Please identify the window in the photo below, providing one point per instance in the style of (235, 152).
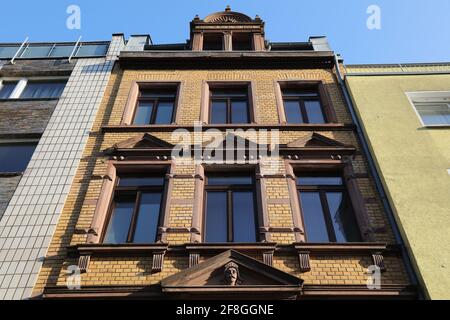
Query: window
(303, 106)
(433, 108)
(136, 209)
(434, 113)
(213, 41)
(230, 211)
(229, 105)
(62, 51)
(14, 157)
(36, 51)
(327, 212)
(7, 52)
(7, 88)
(242, 41)
(155, 106)
(43, 89)
(92, 50)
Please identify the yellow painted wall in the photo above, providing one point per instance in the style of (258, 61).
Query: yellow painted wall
(413, 161)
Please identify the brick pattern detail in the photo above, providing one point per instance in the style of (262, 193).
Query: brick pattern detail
(132, 270)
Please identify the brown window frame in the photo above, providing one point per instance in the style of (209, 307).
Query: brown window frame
(206, 105)
(136, 192)
(322, 190)
(301, 101)
(155, 101)
(222, 35)
(134, 96)
(228, 101)
(229, 189)
(345, 168)
(328, 110)
(115, 169)
(250, 36)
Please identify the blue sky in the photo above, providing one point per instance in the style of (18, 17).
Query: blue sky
(411, 30)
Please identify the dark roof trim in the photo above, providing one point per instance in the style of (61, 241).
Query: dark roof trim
(226, 60)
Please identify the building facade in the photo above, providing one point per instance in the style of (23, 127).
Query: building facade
(49, 96)
(224, 167)
(405, 115)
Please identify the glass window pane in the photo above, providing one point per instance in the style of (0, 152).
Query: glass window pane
(36, 52)
(217, 181)
(343, 218)
(314, 111)
(7, 87)
(8, 52)
(319, 181)
(36, 90)
(219, 112)
(216, 217)
(62, 51)
(158, 93)
(140, 181)
(434, 114)
(119, 224)
(239, 112)
(148, 217)
(164, 112)
(212, 41)
(242, 41)
(316, 230)
(292, 111)
(298, 93)
(229, 92)
(15, 157)
(244, 224)
(92, 50)
(143, 113)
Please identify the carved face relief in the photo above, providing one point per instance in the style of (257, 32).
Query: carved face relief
(231, 274)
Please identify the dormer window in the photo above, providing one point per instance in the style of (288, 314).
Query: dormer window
(227, 31)
(213, 42)
(242, 41)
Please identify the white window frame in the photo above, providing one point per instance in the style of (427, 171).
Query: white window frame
(22, 83)
(430, 97)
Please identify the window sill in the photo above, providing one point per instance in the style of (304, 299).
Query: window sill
(116, 249)
(343, 248)
(157, 251)
(148, 249)
(281, 127)
(437, 127)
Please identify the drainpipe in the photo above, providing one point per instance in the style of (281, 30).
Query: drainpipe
(379, 186)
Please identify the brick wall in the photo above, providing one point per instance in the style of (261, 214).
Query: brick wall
(81, 202)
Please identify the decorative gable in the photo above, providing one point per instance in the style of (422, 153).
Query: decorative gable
(314, 139)
(143, 141)
(232, 273)
(230, 141)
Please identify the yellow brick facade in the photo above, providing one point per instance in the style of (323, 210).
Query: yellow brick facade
(135, 270)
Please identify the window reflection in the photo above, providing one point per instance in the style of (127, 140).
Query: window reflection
(326, 208)
(230, 213)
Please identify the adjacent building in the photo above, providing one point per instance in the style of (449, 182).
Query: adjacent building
(224, 167)
(404, 112)
(49, 96)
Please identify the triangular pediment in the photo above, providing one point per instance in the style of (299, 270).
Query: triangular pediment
(143, 141)
(314, 139)
(211, 273)
(230, 141)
